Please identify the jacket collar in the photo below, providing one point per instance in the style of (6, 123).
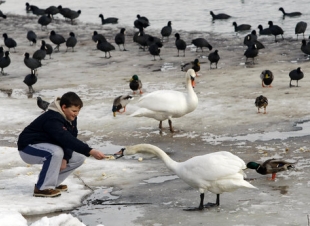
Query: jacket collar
(55, 106)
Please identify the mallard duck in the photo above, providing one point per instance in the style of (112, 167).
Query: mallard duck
(296, 74)
(135, 84)
(120, 103)
(168, 104)
(267, 77)
(271, 166)
(216, 172)
(191, 65)
(260, 102)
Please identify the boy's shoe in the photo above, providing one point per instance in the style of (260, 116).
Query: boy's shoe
(46, 192)
(62, 187)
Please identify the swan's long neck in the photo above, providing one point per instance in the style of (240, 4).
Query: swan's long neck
(148, 148)
(189, 86)
(193, 99)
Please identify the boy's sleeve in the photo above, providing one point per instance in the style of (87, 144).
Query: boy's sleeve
(56, 130)
(67, 154)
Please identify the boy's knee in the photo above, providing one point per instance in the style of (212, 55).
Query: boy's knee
(58, 152)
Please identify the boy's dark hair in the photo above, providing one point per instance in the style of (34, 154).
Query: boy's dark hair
(71, 99)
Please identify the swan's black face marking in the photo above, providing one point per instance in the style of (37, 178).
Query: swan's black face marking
(120, 153)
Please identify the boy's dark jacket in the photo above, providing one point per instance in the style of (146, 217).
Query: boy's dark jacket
(53, 127)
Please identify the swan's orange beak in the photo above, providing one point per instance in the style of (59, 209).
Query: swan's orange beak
(193, 82)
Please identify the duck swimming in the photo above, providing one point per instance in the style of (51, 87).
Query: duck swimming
(167, 104)
(216, 172)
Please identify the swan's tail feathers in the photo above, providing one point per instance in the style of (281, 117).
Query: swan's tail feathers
(248, 185)
(142, 112)
(242, 184)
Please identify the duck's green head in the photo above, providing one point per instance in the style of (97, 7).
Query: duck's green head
(267, 75)
(252, 165)
(135, 77)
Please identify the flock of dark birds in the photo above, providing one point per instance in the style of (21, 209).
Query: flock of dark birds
(144, 41)
(254, 46)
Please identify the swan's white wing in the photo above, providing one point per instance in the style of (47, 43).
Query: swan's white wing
(211, 167)
(162, 104)
(163, 99)
(168, 104)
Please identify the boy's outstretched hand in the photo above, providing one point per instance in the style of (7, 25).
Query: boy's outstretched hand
(97, 154)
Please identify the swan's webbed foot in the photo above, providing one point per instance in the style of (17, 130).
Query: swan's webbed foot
(210, 205)
(160, 126)
(193, 209)
(170, 126)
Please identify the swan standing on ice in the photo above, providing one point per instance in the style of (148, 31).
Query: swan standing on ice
(168, 104)
(216, 172)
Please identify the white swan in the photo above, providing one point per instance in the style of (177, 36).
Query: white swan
(216, 172)
(168, 104)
